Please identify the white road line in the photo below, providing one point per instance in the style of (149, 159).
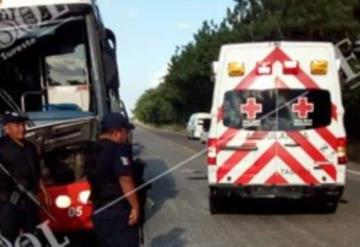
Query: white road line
(353, 172)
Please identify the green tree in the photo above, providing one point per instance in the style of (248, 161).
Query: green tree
(188, 87)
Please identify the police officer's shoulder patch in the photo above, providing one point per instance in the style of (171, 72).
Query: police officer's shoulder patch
(125, 160)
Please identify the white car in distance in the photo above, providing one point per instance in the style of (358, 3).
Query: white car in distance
(195, 125)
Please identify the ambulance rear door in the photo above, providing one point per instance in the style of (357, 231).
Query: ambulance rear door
(244, 104)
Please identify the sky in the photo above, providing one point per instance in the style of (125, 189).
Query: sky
(148, 33)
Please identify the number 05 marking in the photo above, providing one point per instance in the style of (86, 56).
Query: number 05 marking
(75, 212)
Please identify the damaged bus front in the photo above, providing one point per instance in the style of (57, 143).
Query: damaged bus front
(58, 66)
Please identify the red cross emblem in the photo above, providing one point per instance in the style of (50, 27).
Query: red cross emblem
(251, 108)
(303, 107)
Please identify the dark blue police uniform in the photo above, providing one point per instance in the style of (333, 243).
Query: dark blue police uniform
(104, 167)
(23, 164)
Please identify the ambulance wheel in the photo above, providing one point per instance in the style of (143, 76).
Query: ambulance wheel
(330, 206)
(214, 204)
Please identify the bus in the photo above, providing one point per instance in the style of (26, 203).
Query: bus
(58, 66)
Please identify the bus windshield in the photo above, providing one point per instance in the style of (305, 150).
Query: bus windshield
(44, 68)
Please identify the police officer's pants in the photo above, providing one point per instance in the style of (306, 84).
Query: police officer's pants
(13, 218)
(8, 224)
(113, 230)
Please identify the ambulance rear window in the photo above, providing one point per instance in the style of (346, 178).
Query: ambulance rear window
(277, 109)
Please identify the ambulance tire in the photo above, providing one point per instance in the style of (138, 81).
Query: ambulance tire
(214, 204)
(329, 206)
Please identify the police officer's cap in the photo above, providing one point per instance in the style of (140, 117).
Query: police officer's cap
(13, 117)
(115, 121)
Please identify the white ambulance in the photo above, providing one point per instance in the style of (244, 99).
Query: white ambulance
(277, 124)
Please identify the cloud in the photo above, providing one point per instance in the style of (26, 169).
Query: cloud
(105, 1)
(132, 13)
(125, 11)
(159, 77)
(184, 26)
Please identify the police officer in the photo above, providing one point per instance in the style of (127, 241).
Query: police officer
(109, 172)
(19, 157)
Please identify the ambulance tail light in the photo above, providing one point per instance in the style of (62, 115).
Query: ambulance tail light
(264, 68)
(319, 67)
(212, 151)
(291, 67)
(341, 151)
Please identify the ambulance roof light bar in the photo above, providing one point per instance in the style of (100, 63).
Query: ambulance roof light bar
(291, 67)
(319, 67)
(263, 68)
(236, 69)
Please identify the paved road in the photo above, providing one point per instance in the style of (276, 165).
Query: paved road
(181, 217)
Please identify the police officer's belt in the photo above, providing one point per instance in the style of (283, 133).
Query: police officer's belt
(106, 192)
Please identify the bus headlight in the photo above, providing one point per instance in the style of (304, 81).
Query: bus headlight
(62, 201)
(84, 196)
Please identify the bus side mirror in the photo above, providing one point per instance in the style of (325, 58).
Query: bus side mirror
(110, 62)
(111, 39)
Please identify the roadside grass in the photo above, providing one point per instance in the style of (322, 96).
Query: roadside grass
(172, 127)
(178, 128)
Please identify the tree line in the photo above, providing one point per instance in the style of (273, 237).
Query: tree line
(188, 88)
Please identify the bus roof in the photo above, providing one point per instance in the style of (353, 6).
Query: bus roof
(26, 3)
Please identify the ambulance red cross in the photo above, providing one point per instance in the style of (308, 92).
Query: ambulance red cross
(303, 107)
(277, 124)
(251, 108)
